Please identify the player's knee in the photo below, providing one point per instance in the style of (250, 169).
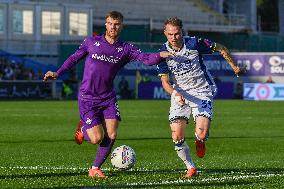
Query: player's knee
(203, 136)
(178, 141)
(112, 136)
(179, 121)
(96, 140)
(177, 137)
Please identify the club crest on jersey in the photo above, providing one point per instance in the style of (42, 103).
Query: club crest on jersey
(89, 121)
(119, 49)
(97, 44)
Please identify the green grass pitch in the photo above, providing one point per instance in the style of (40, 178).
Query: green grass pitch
(245, 148)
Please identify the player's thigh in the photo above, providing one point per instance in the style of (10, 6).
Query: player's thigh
(178, 129)
(202, 123)
(95, 134)
(92, 118)
(111, 117)
(202, 116)
(204, 109)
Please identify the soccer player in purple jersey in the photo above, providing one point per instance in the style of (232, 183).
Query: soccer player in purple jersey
(105, 56)
(193, 89)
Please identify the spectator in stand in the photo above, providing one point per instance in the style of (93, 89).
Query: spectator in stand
(269, 80)
(8, 72)
(239, 90)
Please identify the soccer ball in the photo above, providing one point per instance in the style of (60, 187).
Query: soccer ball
(123, 157)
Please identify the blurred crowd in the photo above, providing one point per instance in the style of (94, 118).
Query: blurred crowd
(17, 71)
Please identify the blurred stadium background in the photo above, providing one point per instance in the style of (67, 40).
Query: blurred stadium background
(38, 35)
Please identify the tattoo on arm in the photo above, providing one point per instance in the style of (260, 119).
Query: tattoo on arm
(225, 53)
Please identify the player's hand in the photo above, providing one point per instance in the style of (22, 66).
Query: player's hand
(179, 99)
(166, 54)
(50, 75)
(239, 71)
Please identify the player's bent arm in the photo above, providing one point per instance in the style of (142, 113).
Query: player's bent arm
(166, 84)
(169, 89)
(227, 56)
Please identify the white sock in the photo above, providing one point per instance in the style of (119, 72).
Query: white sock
(182, 150)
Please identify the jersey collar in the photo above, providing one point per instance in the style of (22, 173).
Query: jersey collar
(170, 49)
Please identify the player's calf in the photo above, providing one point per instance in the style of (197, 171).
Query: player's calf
(182, 150)
(200, 146)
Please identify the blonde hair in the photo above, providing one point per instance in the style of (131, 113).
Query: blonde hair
(174, 21)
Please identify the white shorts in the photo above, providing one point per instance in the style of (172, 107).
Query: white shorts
(201, 107)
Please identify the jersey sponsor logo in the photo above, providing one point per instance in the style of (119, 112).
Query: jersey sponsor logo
(184, 63)
(119, 49)
(180, 68)
(105, 58)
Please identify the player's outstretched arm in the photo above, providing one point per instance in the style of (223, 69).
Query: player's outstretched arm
(50, 75)
(226, 54)
(147, 58)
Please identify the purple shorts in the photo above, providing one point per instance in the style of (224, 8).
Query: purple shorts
(94, 112)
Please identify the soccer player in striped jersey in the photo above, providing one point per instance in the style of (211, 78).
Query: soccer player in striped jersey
(193, 87)
(104, 56)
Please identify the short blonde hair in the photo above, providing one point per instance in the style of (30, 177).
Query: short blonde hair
(174, 21)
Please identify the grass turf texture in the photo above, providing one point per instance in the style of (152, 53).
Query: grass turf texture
(245, 148)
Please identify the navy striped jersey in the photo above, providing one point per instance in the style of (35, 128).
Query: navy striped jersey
(187, 69)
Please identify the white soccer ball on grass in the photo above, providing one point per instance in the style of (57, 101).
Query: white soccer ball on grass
(123, 157)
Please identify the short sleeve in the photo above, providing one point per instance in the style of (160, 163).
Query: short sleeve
(163, 69)
(205, 46)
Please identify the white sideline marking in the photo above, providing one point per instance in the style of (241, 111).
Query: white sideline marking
(205, 180)
(179, 181)
(43, 168)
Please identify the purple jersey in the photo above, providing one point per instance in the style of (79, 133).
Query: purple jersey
(103, 61)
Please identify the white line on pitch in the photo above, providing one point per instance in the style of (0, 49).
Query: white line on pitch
(42, 168)
(184, 181)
